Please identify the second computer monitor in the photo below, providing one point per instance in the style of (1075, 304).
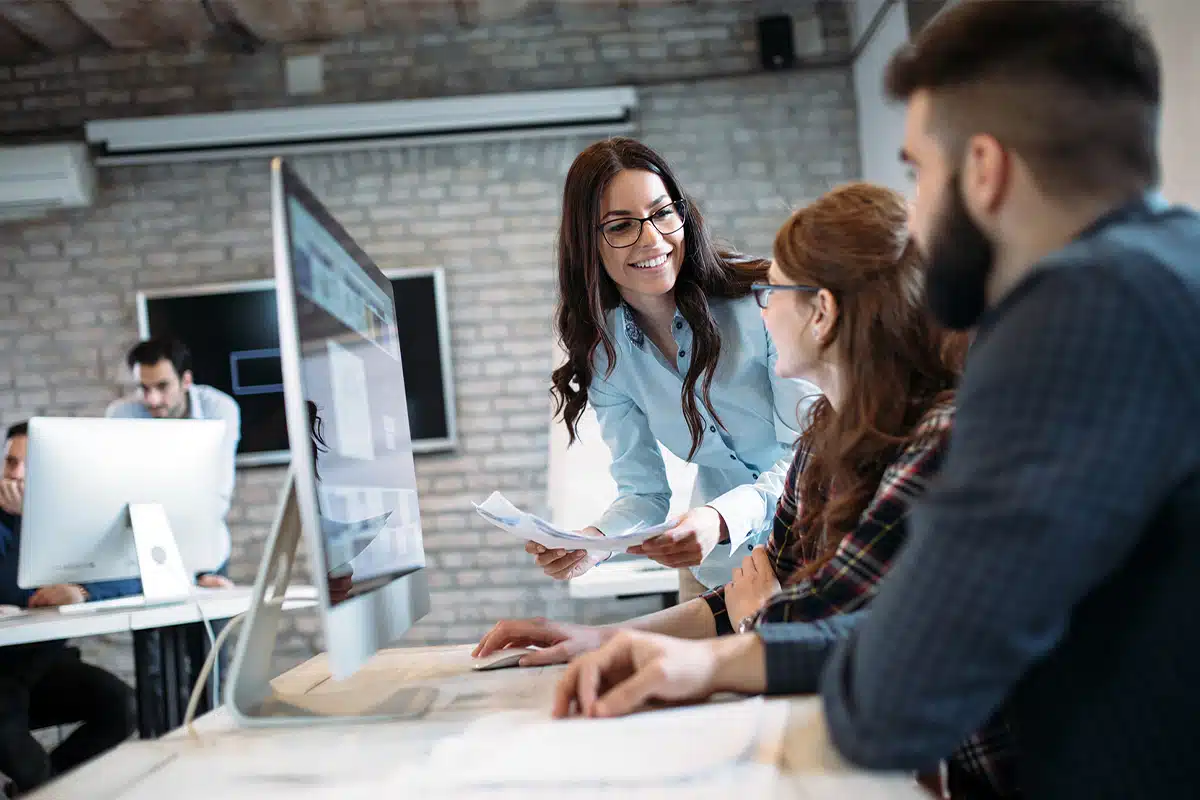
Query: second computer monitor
(82, 477)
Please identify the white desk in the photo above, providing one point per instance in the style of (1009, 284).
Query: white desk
(159, 645)
(626, 579)
(48, 624)
(333, 760)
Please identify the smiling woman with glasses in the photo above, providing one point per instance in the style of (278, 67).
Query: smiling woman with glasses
(665, 342)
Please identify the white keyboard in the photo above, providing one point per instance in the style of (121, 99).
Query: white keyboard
(133, 601)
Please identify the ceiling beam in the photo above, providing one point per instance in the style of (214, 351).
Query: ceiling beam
(270, 20)
(14, 47)
(184, 21)
(123, 24)
(49, 24)
(336, 18)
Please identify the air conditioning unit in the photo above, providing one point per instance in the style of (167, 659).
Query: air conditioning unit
(355, 126)
(35, 178)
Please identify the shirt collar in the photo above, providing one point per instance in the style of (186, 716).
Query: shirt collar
(1145, 203)
(194, 409)
(634, 332)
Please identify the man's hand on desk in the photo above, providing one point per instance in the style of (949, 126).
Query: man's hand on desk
(689, 542)
(564, 565)
(60, 594)
(12, 495)
(635, 668)
(214, 582)
(561, 641)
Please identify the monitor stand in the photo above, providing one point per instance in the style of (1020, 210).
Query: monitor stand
(252, 700)
(164, 577)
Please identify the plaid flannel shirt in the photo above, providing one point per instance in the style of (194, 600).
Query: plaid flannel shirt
(852, 577)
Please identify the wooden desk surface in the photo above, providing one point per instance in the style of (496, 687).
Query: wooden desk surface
(324, 760)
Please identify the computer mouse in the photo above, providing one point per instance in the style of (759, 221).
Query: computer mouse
(502, 659)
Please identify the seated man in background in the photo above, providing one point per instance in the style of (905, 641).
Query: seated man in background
(12, 496)
(162, 370)
(46, 683)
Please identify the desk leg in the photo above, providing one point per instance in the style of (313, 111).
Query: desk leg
(669, 599)
(148, 673)
(160, 661)
(171, 667)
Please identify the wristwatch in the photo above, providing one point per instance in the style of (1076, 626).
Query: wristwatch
(747, 624)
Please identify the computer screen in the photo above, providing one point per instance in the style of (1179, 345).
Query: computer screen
(84, 475)
(352, 385)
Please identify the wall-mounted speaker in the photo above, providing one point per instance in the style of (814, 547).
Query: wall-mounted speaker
(776, 43)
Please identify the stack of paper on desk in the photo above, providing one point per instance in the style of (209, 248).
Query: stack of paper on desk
(663, 748)
(507, 517)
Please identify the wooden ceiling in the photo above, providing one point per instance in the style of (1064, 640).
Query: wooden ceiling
(32, 30)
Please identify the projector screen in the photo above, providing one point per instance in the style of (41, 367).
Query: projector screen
(233, 333)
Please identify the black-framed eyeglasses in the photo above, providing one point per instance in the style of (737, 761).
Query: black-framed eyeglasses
(762, 291)
(626, 231)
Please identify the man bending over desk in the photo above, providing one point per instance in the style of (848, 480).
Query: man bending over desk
(162, 370)
(46, 683)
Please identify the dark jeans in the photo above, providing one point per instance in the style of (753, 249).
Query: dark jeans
(54, 687)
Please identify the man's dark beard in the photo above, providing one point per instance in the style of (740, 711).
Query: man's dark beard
(958, 263)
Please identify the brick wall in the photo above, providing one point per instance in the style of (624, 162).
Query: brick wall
(748, 147)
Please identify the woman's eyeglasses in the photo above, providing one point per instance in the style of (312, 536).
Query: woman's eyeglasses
(762, 291)
(625, 231)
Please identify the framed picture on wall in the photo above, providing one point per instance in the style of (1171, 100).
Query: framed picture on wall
(233, 333)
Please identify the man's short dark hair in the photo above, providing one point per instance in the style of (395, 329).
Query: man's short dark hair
(152, 351)
(1072, 86)
(19, 429)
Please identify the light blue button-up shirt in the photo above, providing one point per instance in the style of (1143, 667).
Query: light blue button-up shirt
(741, 468)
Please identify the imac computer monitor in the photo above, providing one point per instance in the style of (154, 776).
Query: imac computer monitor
(352, 465)
(88, 478)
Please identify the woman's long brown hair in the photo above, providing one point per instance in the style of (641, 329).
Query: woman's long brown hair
(586, 293)
(898, 363)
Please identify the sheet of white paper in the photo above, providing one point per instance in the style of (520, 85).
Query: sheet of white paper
(528, 748)
(504, 515)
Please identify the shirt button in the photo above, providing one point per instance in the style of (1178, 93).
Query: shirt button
(682, 353)
(755, 474)
(678, 325)
(750, 547)
(712, 428)
(732, 456)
